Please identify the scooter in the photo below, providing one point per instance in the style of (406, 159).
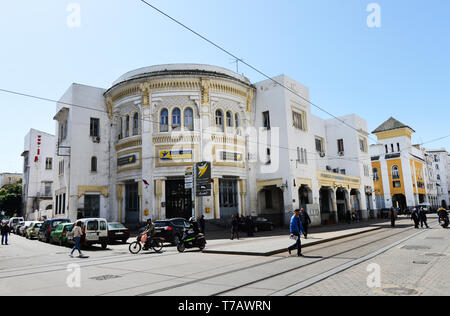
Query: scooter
(191, 240)
(444, 222)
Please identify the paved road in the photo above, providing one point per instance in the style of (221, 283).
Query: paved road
(414, 263)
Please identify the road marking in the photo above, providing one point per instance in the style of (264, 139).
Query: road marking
(300, 286)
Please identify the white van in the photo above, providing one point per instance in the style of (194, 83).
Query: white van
(95, 231)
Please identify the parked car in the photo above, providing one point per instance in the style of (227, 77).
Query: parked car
(48, 226)
(95, 231)
(23, 229)
(259, 224)
(14, 221)
(17, 227)
(117, 231)
(60, 234)
(171, 230)
(33, 230)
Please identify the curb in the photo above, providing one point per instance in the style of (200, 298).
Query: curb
(274, 252)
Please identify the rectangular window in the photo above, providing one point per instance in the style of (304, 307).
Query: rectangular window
(362, 145)
(57, 204)
(63, 211)
(386, 146)
(266, 119)
(398, 146)
(340, 144)
(48, 163)
(47, 189)
(397, 184)
(298, 120)
(319, 144)
(95, 127)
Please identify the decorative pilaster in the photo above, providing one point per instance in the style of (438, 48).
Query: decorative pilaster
(120, 189)
(243, 192)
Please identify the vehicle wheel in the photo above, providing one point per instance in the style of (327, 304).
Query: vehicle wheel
(124, 241)
(202, 245)
(104, 246)
(61, 242)
(181, 247)
(135, 247)
(158, 246)
(176, 240)
(47, 240)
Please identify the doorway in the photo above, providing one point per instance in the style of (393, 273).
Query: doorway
(132, 214)
(178, 200)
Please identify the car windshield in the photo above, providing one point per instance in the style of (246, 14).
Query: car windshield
(38, 225)
(116, 226)
(68, 227)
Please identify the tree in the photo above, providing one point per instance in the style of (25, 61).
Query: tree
(11, 199)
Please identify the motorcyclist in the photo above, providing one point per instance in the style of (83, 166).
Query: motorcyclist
(150, 231)
(195, 226)
(442, 213)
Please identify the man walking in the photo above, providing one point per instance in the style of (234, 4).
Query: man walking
(393, 217)
(5, 230)
(296, 229)
(306, 221)
(423, 218)
(415, 218)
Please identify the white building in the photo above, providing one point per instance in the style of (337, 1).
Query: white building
(7, 178)
(441, 169)
(320, 165)
(37, 182)
(82, 165)
(122, 153)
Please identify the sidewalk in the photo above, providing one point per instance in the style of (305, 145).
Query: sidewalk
(271, 243)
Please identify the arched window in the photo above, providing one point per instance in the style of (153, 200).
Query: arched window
(164, 122)
(237, 123)
(176, 119)
(94, 164)
(395, 172)
(229, 119)
(188, 119)
(135, 124)
(127, 126)
(219, 121)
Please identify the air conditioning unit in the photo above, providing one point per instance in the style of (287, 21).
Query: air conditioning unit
(336, 170)
(96, 139)
(341, 153)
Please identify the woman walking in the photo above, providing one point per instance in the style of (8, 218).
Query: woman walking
(77, 233)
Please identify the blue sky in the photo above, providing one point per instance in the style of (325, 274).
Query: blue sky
(401, 69)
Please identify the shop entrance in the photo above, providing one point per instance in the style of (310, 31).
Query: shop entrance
(178, 200)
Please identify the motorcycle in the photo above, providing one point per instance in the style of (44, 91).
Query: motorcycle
(142, 242)
(191, 239)
(444, 222)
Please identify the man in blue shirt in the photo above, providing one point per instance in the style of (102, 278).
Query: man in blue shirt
(296, 229)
